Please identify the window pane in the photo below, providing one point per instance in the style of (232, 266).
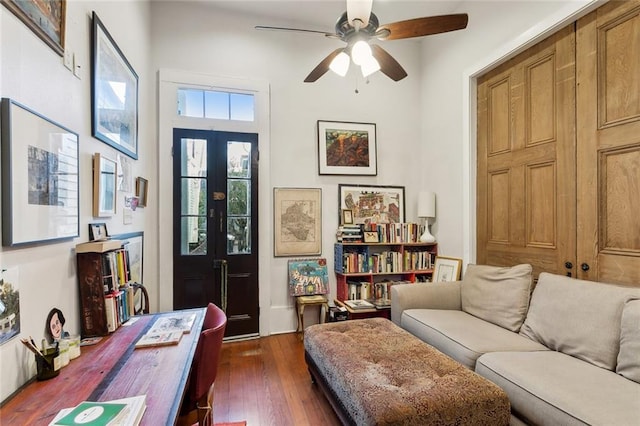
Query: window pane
(194, 197)
(238, 201)
(238, 159)
(216, 105)
(190, 103)
(238, 235)
(242, 107)
(194, 157)
(194, 236)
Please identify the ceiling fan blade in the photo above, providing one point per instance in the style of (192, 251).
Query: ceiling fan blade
(326, 34)
(322, 67)
(423, 26)
(359, 9)
(389, 66)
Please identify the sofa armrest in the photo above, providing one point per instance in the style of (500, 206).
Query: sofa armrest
(424, 296)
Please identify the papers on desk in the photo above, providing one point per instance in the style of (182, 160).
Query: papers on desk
(167, 330)
(120, 412)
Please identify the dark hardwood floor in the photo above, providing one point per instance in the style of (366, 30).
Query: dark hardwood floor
(265, 382)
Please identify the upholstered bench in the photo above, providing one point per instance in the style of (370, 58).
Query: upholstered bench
(375, 373)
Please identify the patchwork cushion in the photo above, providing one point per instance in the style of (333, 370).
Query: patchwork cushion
(496, 294)
(629, 355)
(577, 317)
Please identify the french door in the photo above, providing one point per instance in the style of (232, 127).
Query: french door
(215, 225)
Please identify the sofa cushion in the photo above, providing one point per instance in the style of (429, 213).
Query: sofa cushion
(462, 336)
(551, 388)
(499, 295)
(629, 355)
(577, 317)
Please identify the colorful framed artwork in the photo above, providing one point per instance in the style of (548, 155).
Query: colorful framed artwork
(114, 94)
(447, 269)
(346, 148)
(298, 221)
(308, 277)
(45, 18)
(373, 204)
(40, 182)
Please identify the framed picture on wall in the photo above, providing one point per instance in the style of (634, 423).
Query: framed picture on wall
(114, 94)
(297, 221)
(370, 203)
(40, 181)
(346, 148)
(45, 19)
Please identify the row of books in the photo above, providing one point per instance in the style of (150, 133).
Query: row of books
(119, 307)
(387, 261)
(115, 269)
(386, 232)
(367, 290)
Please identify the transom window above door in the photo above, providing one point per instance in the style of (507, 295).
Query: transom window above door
(215, 104)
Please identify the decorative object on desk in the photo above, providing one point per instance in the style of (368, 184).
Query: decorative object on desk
(114, 118)
(104, 186)
(54, 327)
(98, 232)
(159, 339)
(124, 412)
(308, 277)
(142, 191)
(9, 304)
(372, 204)
(178, 321)
(48, 22)
(427, 210)
(347, 217)
(447, 269)
(346, 148)
(371, 237)
(40, 187)
(298, 221)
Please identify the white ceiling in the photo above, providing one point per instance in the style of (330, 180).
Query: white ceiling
(322, 14)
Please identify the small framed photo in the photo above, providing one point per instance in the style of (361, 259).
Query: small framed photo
(371, 237)
(98, 231)
(142, 191)
(447, 269)
(347, 217)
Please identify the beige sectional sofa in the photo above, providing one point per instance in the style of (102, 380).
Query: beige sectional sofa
(566, 352)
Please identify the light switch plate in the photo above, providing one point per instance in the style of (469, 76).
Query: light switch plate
(76, 66)
(67, 59)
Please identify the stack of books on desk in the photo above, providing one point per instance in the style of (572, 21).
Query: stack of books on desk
(122, 412)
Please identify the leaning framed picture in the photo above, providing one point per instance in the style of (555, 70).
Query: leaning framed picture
(45, 18)
(40, 185)
(114, 94)
(372, 204)
(446, 269)
(297, 221)
(346, 148)
(142, 191)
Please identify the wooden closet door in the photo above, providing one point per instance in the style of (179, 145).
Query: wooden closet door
(526, 159)
(608, 156)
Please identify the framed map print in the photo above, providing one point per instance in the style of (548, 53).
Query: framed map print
(298, 221)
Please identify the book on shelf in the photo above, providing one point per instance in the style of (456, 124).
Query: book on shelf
(121, 412)
(359, 304)
(98, 246)
(161, 338)
(175, 322)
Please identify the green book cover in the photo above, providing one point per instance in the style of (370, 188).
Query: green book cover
(92, 414)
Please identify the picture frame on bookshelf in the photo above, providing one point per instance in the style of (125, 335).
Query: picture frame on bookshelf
(98, 231)
(347, 217)
(347, 148)
(372, 203)
(371, 237)
(447, 269)
(40, 178)
(297, 221)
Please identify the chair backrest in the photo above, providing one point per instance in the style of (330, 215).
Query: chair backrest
(141, 301)
(207, 356)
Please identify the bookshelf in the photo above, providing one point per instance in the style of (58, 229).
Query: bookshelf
(374, 267)
(106, 297)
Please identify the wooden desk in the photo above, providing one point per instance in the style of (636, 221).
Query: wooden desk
(112, 369)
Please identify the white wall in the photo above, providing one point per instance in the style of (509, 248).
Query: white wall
(34, 75)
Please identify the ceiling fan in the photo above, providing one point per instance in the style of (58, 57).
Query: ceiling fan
(358, 27)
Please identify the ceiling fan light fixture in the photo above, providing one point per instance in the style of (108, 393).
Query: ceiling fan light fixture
(370, 66)
(340, 64)
(361, 52)
(359, 10)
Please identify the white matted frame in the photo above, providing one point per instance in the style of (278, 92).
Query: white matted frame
(297, 221)
(446, 269)
(40, 186)
(105, 174)
(346, 148)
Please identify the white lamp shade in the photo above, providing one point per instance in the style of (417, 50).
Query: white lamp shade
(427, 204)
(340, 64)
(370, 66)
(360, 52)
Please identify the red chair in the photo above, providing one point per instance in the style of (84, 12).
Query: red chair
(205, 366)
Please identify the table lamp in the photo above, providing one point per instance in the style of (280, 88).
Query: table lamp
(427, 210)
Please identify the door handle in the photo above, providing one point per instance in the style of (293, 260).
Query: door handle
(223, 286)
(569, 266)
(584, 267)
